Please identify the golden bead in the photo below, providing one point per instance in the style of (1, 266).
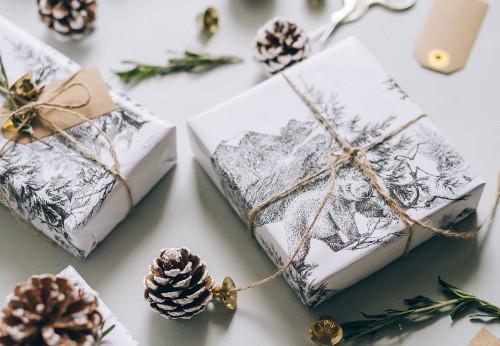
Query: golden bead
(326, 332)
(209, 20)
(226, 293)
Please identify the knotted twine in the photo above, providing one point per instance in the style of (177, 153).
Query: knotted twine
(356, 156)
(31, 111)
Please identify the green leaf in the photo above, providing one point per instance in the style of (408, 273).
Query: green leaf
(3, 75)
(454, 291)
(460, 308)
(107, 331)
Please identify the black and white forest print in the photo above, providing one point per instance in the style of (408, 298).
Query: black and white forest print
(51, 184)
(418, 168)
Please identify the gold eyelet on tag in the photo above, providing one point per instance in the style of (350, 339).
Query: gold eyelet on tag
(438, 59)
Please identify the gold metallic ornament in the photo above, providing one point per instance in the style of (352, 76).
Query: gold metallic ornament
(23, 91)
(25, 87)
(209, 20)
(9, 126)
(226, 293)
(438, 59)
(326, 332)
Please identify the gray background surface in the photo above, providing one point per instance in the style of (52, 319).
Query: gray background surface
(185, 209)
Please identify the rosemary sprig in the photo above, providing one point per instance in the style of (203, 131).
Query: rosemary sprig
(188, 61)
(421, 308)
(105, 332)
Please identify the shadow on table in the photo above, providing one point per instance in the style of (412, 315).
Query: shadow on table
(454, 260)
(193, 331)
(252, 13)
(130, 232)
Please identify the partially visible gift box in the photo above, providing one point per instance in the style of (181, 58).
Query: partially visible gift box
(257, 145)
(119, 335)
(70, 199)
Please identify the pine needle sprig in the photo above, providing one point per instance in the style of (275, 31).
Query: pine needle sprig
(422, 308)
(188, 61)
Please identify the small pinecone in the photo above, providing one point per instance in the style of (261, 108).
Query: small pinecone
(49, 310)
(68, 19)
(279, 44)
(178, 284)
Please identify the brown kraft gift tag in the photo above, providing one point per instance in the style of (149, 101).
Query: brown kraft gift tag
(95, 91)
(449, 34)
(485, 338)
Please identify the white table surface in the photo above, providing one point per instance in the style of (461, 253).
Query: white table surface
(185, 209)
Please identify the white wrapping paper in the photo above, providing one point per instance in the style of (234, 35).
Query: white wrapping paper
(68, 198)
(265, 140)
(119, 336)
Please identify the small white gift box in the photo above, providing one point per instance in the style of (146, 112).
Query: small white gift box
(70, 199)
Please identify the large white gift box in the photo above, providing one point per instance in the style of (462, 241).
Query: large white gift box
(70, 199)
(256, 145)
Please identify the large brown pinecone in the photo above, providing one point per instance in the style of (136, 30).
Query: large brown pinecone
(68, 19)
(279, 44)
(50, 310)
(178, 284)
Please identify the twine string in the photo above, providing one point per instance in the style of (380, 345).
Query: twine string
(358, 157)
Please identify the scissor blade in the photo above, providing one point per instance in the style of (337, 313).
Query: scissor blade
(337, 17)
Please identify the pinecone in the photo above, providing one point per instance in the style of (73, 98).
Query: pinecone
(178, 284)
(279, 44)
(49, 310)
(68, 19)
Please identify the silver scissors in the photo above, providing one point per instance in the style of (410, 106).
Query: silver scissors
(337, 17)
(363, 6)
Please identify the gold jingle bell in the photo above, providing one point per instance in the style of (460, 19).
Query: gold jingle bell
(226, 293)
(24, 90)
(326, 332)
(209, 20)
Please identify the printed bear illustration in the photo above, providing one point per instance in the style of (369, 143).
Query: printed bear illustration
(337, 226)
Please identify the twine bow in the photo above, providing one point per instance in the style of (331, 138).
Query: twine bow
(356, 156)
(29, 111)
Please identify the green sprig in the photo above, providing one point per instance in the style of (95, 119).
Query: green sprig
(188, 61)
(105, 331)
(421, 308)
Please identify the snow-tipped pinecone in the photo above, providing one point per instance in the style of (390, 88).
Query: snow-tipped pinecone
(68, 19)
(279, 44)
(50, 310)
(178, 284)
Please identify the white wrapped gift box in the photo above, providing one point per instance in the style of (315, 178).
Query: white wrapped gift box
(53, 187)
(263, 141)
